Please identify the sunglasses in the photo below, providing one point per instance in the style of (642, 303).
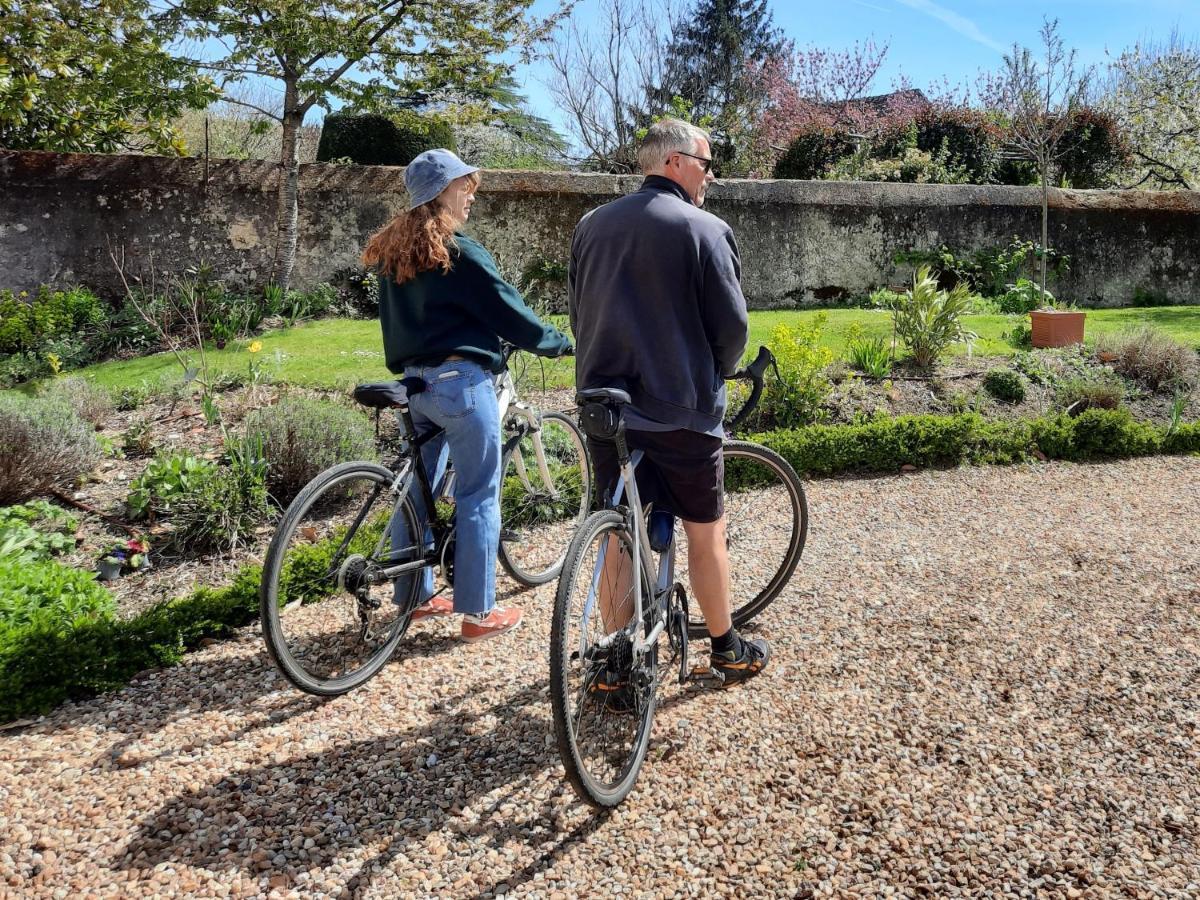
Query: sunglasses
(707, 162)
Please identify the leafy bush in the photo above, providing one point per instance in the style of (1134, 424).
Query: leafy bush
(988, 271)
(43, 445)
(912, 166)
(47, 595)
(375, 140)
(1023, 297)
(27, 323)
(929, 320)
(967, 138)
(1019, 336)
(167, 478)
(358, 292)
(1095, 150)
(1005, 384)
(302, 437)
(36, 530)
(813, 153)
(1149, 355)
(796, 397)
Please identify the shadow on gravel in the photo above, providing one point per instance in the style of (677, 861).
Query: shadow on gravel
(397, 789)
(247, 685)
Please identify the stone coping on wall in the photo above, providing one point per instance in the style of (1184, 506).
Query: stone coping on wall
(140, 171)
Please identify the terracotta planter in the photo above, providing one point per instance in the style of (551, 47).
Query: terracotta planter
(1056, 327)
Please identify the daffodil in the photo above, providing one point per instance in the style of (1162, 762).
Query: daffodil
(255, 346)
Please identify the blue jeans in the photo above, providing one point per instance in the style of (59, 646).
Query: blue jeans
(460, 399)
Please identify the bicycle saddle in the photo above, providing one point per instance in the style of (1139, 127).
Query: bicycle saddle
(387, 394)
(601, 395)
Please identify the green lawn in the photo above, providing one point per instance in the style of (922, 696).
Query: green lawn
(337, 353)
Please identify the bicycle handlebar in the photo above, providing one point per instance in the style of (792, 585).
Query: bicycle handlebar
(753, 373)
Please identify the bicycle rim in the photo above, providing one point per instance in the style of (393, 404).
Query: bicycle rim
(766, 524)
(602, 732)
(541, 505)
(326, 628)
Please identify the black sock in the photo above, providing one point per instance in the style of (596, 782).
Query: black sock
(729, 641)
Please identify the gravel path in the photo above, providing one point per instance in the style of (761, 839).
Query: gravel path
(986, 683)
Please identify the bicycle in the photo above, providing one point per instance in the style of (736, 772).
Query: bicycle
(331, 615)
(613, 605)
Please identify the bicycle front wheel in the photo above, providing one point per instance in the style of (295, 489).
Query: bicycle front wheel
(766, 524)
(545, 494)
(601, 693)
(329, 622)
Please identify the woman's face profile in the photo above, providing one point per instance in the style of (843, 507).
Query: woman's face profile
(457, 198)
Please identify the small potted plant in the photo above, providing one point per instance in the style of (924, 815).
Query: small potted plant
(131, 555)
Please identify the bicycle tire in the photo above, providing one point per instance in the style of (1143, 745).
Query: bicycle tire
(535, 525)
(578, 711)
(753, 524)
(311, 583)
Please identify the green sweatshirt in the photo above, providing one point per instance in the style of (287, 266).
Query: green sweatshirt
(466, 311)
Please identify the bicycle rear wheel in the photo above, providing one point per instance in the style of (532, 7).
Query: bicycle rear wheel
(766, 524)
(328, 625)
(602, 697)
(545, 493)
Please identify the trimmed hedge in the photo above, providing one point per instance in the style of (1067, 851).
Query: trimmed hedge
(41, 667)
(370, 139)
(931, 441)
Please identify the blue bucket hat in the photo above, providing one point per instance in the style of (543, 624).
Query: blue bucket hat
(429, 173)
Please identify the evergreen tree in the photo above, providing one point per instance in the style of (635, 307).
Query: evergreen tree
(711, 52)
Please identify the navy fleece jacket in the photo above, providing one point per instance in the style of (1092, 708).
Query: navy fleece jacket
(656, 305)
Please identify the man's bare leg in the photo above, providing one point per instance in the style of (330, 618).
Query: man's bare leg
(708, 573)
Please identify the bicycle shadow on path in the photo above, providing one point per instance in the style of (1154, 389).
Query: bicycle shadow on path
(466, 779)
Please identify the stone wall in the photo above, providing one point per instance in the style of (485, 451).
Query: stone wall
(63, 217)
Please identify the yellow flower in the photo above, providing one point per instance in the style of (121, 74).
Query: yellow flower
(255, 346)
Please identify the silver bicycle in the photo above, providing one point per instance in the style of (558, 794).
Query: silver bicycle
(617, 595)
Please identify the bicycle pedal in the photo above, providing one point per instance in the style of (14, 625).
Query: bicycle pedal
(706, 677)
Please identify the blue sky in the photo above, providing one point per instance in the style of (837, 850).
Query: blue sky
(929, 39)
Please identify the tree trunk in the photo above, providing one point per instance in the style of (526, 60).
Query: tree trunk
(287, 210)
(1045, 219)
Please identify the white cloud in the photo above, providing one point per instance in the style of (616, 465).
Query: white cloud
(961, 24)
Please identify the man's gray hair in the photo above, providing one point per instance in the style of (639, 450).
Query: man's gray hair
(666, 136)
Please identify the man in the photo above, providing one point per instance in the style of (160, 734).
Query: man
(657, 309)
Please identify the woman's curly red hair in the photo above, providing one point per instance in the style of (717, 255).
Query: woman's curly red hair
(416, 240)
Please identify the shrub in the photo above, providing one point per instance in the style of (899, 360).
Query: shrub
(929, 320)
(988, 271)
(27, 323)
(1149, 355)
(358, 292)
(132, 396)
(47, 595)
(1023, 297)
(913, 166)
(36, 530)
(1095, 150)
(375, 140)
(167, 477)
(1005, 384)
(967, 139)
(91, 403)
(302, 437)
(796, 397)
(137, 440)
(813, 153)
(43, 445)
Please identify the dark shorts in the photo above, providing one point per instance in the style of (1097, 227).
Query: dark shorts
(681, 471)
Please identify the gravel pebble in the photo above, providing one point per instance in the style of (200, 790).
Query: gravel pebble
(985, 683)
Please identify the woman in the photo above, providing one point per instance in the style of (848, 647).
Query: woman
(444, 309)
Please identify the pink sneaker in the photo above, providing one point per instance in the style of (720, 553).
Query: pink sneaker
(435, 606)
(496, 622)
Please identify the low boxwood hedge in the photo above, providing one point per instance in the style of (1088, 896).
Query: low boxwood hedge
(41, 667)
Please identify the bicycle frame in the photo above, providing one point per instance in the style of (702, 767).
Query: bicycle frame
(642, 554)
(519, 418)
